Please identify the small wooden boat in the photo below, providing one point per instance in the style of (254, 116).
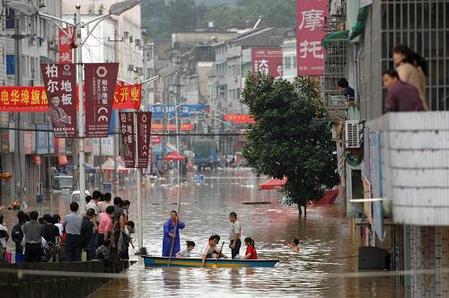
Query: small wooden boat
(197, 262)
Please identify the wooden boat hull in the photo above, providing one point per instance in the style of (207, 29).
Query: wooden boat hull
(196, 262)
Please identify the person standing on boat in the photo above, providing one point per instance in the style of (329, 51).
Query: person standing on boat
(234, 236)
(171, 242)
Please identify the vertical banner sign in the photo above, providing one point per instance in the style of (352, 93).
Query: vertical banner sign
(268, 61)
(311, 27)
(60, 84)
(100, 80)
(143, 139)
(127, 125)
(66, 41)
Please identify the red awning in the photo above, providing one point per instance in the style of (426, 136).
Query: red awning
(273, 184)
(174, 156)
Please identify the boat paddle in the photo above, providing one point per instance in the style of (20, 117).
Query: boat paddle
(216, 260)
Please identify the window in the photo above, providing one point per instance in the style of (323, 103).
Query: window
(294, 62)
(10, 65)
(287, 62)
(10, 20)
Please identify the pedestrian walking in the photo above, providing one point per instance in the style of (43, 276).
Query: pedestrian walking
(72, 227)
(171, 242)
(17, 236)
(234, 235)
(32, 232)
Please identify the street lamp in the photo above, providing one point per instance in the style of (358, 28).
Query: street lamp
(116, 9)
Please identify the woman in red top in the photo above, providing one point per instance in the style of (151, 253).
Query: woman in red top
(251, 252)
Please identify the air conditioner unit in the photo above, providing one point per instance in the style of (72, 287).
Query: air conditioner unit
(352, 134)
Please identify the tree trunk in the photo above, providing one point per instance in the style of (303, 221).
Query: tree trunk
(299, 209)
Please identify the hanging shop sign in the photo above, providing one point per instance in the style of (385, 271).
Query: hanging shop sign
(23, 99)
(127, 97)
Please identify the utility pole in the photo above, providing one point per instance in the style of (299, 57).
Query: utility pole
(18, 134)
(79, 67)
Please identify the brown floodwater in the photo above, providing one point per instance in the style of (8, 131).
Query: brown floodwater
(329, 244)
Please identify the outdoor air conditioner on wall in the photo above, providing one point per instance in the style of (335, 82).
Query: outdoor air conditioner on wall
(352, 134)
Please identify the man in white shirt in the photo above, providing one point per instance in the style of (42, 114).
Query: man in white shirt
(92, 204)
(235, 234)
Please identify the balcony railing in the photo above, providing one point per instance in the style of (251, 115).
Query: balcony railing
(412, 169)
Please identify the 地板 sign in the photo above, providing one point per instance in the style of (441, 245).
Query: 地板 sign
(135, 129)
(60, 85)
(100, 80)
(311, 23)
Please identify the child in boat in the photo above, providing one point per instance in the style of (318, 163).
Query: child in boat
(186, 252)
(251, 252)
(294, 245)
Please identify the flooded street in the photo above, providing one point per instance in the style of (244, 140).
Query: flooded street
(328, 241)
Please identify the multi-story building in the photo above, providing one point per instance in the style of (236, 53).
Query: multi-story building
(25, 43)
(401, 157)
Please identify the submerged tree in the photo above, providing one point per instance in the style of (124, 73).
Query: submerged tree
(291, 137)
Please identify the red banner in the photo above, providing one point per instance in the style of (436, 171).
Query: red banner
(239, 118)
(66, 42)
(172, 127)
(100, 80)
(23, 99)
(311, 23)
(268, 61)
(60, 84)
(143, 139)
(127, 125)
(127, 97)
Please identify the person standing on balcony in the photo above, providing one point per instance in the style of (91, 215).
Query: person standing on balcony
(402, 96)
(412, 69)
(348, 92)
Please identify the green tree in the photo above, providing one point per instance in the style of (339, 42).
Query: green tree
(291, 137)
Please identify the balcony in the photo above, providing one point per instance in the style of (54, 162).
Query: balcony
(411, 162)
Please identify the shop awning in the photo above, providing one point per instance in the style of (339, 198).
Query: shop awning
(359, 27)
(174, 156)
(273, 184)
(335, 36)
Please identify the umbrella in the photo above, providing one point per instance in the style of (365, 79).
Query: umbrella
(174, 156)
(273, 184)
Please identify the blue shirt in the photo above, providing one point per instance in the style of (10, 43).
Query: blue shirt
(72, 223)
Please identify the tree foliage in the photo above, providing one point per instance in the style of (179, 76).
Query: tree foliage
(161, 18)
(291, 137)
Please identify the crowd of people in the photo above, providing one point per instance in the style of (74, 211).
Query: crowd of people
(102, 231)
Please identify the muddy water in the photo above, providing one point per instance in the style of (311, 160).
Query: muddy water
(329, 246)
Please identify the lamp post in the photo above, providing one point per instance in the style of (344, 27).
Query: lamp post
(116, 9)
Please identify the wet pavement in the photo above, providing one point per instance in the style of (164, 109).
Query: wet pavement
(328, 240)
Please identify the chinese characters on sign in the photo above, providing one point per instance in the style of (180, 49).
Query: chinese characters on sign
(66, 41)
(127, 97)
(127, 125)
(268, 61)
(172, 127)
(23, 99)
(311, 20)
(135, 129)
(143, 138)
(60, 84)
(239, 118)
(100, 80)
